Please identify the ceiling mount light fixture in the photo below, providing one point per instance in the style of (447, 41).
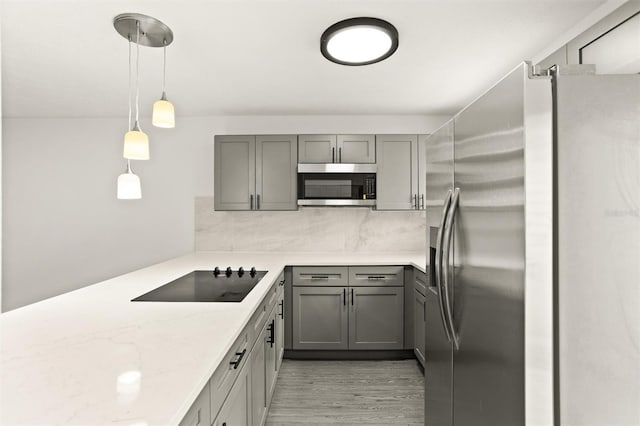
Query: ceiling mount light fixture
(359, 41)
(146, 31)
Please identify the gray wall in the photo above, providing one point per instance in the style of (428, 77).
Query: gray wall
(65, 229)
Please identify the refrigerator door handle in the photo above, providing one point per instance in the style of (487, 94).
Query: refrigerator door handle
(438, 266)
(447, 238)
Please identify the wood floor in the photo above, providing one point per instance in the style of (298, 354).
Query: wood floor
(348, 393)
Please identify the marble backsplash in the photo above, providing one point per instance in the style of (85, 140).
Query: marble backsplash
(321, 229)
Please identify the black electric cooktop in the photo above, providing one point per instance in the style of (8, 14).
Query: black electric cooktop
(206, 286)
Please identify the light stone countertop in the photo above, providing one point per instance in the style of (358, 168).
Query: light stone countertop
(93, 357)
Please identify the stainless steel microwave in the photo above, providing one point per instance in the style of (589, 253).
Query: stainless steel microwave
(336, 184)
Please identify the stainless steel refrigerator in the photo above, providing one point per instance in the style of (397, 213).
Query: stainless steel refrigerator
(533, 215)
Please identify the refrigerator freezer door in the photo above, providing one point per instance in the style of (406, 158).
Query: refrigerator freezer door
(438, 366)
(599, 248)
(488, 258)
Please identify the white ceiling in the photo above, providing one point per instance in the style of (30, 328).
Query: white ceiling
(64, 59)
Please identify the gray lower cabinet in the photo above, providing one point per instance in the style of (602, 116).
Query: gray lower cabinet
(320, 318)
(397, 176)
(259, 379)
(270, 357)
(255, 172)
(236, 410)
(419, 322)
(376, 318)
(280, 328)
(200, 411)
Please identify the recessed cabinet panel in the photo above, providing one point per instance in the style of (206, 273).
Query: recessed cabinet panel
(234, 172)
(374, 276)
(200, 411)
(376, 318)
(320, 318)
(280, 318)
(259, 380)
(422, 171)
(397, 160)
(320, 276)
(236, 410)
(276, 161)
(356, 149)
(317, 149)
(419, 326)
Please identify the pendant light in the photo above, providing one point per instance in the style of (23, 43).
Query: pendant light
(136, 142)
(163, 112)
(129, 187)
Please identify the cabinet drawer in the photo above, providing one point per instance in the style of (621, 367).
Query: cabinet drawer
(376, 276)
(420, 281)
(320, 276)
(200, 412)
(229, 369)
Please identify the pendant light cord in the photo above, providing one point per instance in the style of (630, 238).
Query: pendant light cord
(129, 93)
(164, 66)
(137, 70)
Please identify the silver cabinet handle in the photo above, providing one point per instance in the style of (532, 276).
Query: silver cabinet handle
(415, 201)
(448, 234)
(438, 266)
(251, 202)
(333, 155)
(258, 202)
(422, 201)
(340, 155)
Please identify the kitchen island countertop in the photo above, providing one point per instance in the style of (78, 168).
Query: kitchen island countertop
(93, 357)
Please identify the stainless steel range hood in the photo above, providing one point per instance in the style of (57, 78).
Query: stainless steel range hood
(336, 168)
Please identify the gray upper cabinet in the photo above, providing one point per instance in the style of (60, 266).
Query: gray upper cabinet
(336, 149)
(376, 318)
(356, 149)
(422, 171)
(276, 161)
(317, 148)
(397, 177)
(255, 172)
(234, 170)
(320, 318)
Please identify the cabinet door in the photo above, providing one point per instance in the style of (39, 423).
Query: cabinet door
(397, 177)
(280, 329)
(376, 317)
(419, 326)
(356, 149)
(422, 171)
(236, 410)
(276, 174)
(320, 318)
(234, 170)
(259, 379)
(317, 149)
(270, 356)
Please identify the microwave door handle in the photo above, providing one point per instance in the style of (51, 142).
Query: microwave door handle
(447, 267)
(438, 265)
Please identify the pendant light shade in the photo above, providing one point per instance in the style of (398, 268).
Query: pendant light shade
(163, 113)
(129, 187)
(136, 144)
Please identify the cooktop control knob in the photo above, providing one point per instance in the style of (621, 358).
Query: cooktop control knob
(228, 272)
(216, 272)
(252, 272)
(240, 271)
